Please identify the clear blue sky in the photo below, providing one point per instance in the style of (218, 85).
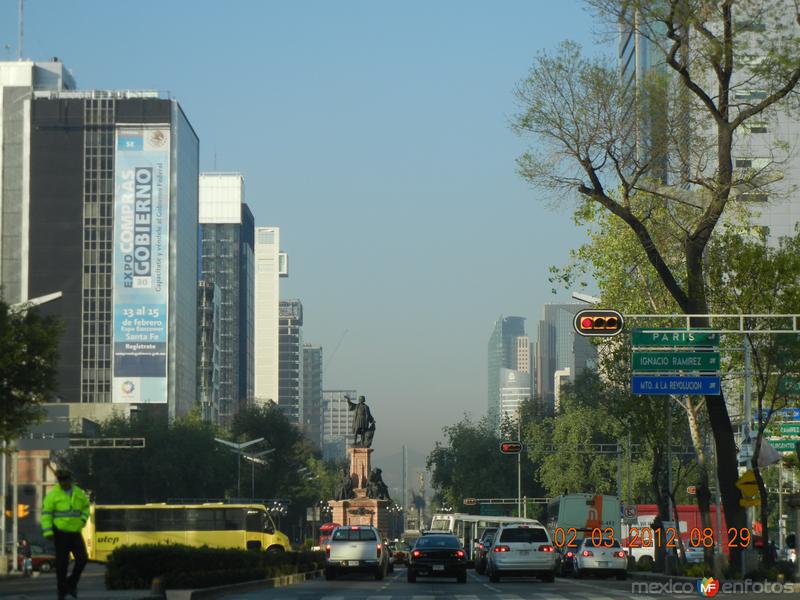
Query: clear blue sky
(375, 135)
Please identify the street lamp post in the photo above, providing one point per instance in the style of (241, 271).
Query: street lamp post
(253, 459)
(238, 449)
(19, 307)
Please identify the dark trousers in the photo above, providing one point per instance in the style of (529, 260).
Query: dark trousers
(67, 542)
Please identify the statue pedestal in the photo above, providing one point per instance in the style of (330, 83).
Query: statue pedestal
(361, 510)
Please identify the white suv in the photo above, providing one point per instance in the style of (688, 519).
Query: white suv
(522, 549)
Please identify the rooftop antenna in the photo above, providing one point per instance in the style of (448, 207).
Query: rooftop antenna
(21, 14)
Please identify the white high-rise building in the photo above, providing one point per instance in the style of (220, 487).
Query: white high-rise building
(270, 266)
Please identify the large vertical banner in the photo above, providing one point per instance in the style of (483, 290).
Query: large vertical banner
(141, 264)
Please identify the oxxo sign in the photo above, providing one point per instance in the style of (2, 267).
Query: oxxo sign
(598, 323)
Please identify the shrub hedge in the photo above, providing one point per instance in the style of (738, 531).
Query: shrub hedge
(135, 567)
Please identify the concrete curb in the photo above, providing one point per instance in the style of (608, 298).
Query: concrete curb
(214, 593)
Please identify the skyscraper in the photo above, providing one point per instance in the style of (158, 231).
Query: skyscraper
(312, 393)
(227, 234)
(290, 352)
(336, 423)
(505, 352)
(271, 265)
(110, 205)
(558, 347)
(18, 81)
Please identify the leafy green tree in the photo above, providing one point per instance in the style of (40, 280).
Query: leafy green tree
(587, 122)
(469, 465)
(28, 367)
(179, 460)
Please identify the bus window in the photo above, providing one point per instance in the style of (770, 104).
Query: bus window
(233, 519)
(200, 519)
(254, 521)
(169, 520)
(140, 519)
(109, 519)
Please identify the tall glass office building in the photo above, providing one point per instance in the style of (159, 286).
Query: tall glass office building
(110, 207)
(227, 233)
(558, 347)
(290, 361)
(503, 354)
(312, 393)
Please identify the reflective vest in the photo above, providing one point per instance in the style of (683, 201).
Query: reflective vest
(67, 512)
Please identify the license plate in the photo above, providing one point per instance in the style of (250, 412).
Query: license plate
(351, 563)
(523, 552)
(438, 567)
(602, 563)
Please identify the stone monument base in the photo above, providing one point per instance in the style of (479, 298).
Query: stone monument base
(361, 510)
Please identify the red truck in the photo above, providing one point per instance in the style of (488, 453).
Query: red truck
(641, 539)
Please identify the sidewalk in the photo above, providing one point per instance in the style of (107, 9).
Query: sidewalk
(42, 586)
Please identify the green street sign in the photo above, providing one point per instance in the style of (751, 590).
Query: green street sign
(675, 361)
(674, 339)
(789, 386)
(783, 444)
(790, 429)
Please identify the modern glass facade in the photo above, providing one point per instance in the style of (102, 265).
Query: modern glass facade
(312, 393)
(227, 235)
(336, 423)
(290, 361)
(559, 347)
(208, 349)
(502, 354)
(70, 246)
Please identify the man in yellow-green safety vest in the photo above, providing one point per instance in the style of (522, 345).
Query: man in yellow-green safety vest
(64, 513)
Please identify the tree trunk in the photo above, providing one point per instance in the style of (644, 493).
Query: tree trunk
(727, 469)
(703, 487)
(704, 504)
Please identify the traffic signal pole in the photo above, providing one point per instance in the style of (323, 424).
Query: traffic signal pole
(14, 509)
(519, 465)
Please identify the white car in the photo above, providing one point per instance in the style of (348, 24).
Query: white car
(602, 557)
(522, 549)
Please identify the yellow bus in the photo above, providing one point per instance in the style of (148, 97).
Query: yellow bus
(218, 525)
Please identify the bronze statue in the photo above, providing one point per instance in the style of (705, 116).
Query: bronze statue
(344, 489)
(363, 423)
(376, 488)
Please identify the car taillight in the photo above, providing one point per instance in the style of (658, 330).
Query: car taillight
(620, 554)
(328, 550)
(378, 549)
(501, 549)
(460, 554)
(546, 548)
(416, 554)
(587, 553)
(570, 554)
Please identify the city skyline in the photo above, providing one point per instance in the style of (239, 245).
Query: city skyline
(349, 227)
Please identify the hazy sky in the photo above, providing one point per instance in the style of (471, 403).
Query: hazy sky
(375, 135)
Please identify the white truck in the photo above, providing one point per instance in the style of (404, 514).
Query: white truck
(356, 549)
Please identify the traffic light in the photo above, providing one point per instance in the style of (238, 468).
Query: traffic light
(510, 447)
(23, 510)
(595, 322)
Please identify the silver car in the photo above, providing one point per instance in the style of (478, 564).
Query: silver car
(601, 557)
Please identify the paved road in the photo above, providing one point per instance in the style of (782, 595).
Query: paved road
(43, 587)
(395, 587)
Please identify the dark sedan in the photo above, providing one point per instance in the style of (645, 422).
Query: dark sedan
(483, 548)
(439, 555)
